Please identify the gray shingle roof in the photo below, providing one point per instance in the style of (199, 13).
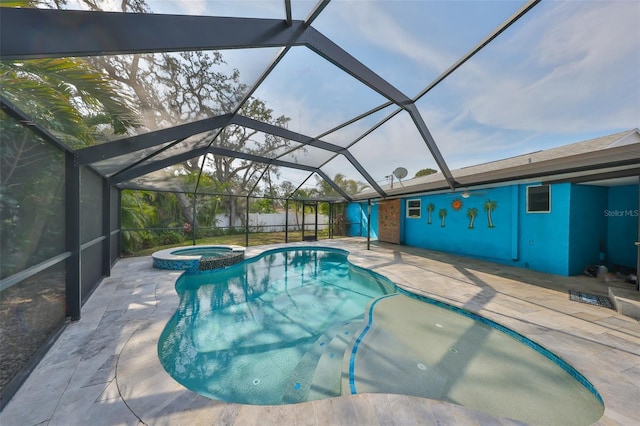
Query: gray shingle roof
(594, 153)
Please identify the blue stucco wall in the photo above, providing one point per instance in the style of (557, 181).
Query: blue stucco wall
(543, 238)
(588, 227)
(622, 225)
(357, 216)
(456, 236)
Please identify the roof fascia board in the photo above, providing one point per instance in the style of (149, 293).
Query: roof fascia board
(516, 174)
(587, 164)
(598, 176)
(131, 144)
(594, 160)
(27, 33)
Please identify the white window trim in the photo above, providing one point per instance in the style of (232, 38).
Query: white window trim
(419, 208)
(527, 200)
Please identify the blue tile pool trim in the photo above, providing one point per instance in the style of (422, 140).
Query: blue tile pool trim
(365, 330)
(195, 263)
(519, 337)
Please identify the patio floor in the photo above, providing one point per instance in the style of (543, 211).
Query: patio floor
(104, 369)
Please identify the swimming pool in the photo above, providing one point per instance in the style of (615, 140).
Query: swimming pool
(290, 326)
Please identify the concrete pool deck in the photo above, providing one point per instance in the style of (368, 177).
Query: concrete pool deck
(104, 369)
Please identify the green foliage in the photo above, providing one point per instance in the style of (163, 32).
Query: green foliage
(425, 172)
(350, 186)
(144, 211)
(262, 205)
(68, 97)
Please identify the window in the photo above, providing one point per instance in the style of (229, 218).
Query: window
(538, 199)
(413, 209)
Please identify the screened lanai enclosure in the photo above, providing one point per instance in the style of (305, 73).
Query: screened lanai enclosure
(139, 123)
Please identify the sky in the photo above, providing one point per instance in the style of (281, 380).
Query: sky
(566, 72)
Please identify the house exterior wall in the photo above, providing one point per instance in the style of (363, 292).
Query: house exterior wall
(622, 225)
(543, 238)
(357, 216)
(588, 227)
(456, 236)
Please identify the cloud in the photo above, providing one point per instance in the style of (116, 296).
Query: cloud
(576, 70)
(378, 27)
(191, 7)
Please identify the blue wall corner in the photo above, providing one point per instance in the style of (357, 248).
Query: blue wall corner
(356, 220)
(588, 227)
(357, 217)
(622, 225)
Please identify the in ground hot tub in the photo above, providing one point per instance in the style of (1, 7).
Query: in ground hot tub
(198, 258)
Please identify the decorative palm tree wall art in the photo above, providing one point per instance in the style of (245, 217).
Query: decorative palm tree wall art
(472, 213)
(442, 214)
(430, 208)
(489, 207)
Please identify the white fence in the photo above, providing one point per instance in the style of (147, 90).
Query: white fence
(272, 222)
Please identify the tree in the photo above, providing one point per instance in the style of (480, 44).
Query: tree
(442, 214)
(430, 208)
(425, 172)
(489, 207)
(172, 89)
(472, 213)
(350, 186)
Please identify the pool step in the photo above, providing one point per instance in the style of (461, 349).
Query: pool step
(302, 380)
(327, 378)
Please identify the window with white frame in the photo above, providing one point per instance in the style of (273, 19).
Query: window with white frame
(413, 208)
(539, 199)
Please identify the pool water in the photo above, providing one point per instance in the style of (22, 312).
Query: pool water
(443, 355)
(203, 251)
(241, 334)
(297, 325)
